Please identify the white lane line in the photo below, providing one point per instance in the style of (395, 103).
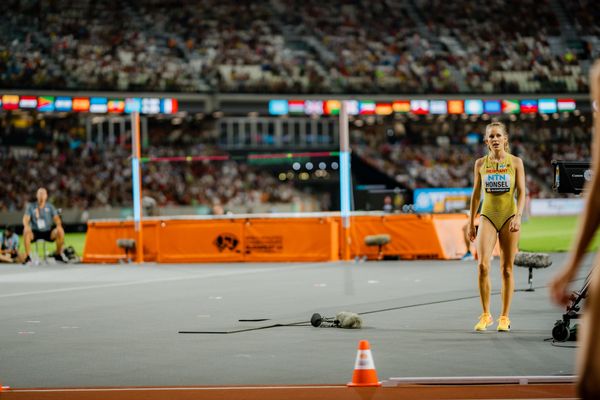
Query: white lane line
(150, 281)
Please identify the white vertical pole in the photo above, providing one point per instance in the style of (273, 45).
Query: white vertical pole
(345, 177)
(137, 185)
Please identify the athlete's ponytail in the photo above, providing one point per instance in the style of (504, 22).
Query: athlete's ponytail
(504, 131)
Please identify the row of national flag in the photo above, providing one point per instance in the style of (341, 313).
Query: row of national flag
(97, 105)
(422, 107)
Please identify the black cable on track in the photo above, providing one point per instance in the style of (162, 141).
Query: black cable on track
(302, 323)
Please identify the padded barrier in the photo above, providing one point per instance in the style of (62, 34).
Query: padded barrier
(412, 236)
(279, 237)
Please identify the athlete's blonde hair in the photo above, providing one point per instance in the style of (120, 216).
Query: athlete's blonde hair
(502, 127)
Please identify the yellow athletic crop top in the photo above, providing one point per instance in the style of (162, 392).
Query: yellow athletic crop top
(498, 184)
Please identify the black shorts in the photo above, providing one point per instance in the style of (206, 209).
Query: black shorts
(42, 235)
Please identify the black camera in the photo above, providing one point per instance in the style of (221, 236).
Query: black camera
(571, 176)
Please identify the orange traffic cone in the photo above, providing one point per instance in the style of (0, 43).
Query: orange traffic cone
(364, 368)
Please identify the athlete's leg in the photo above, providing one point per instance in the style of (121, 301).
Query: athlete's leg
(27, 239)
(486, 240)
(509, 245)
(588, 356)
(58, 235)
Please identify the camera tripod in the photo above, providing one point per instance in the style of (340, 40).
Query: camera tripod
(562, 330)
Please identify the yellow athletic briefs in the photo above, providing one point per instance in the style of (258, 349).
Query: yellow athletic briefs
(498, 183)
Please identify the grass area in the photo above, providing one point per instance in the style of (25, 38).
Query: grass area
(77, 240)
(551, 234)
(539, 234)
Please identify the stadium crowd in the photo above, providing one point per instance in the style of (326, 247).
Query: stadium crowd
(292, 46)
(414, 151)
(441, 154)
(88, 176)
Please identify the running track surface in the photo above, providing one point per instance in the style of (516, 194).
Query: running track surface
(90, 326)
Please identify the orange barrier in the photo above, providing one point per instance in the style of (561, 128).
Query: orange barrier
(316, 237)
(226, 240)
(200, 241)
(413, 236)
(291, 239)
(101, 240)
(449, 228)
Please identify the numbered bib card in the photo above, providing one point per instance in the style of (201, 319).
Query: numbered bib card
(497, 183)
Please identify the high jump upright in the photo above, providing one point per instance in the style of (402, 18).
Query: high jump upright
(345, 184)
(137, 186)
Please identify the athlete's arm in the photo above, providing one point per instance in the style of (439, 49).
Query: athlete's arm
(515, 223)
(475, 199)
(26, 221)
(590, 219)
(57, 221)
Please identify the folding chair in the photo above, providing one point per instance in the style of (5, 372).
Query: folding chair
(36, 256)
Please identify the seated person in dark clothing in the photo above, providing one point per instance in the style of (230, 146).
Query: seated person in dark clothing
(9, 246)
(37, 224)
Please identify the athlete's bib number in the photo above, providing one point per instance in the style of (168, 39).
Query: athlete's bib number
(497, 183)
